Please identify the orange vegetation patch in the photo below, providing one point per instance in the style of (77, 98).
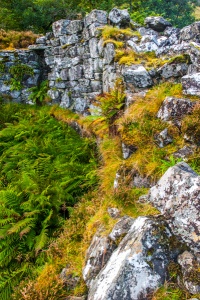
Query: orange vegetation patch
(10, 40)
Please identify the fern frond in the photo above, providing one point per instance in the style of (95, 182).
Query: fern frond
(21, 224)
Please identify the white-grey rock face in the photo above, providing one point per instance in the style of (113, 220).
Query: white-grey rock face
(119, 17)
(190, 32)
(173, 70)
(138, 76)
(138, 266)
(157, 23)
(174, 109)
(177, 197)
(191, 84)
(97, 256)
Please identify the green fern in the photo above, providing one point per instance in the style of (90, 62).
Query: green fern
(43, 165)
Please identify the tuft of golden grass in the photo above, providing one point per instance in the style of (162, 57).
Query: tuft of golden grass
(110, 32)
(10, 40)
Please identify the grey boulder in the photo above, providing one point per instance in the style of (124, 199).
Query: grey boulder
(157, 23)
(138, 266)
(191, 84)
(177, 197)
(119, 17)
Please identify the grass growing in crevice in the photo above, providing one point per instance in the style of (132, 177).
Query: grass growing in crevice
(139, 126)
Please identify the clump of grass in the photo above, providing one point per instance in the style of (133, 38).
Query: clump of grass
(129, 57)
(170, 292)
(182, 58)
(110, 32)
(16, 39)
(117, 44)
(138, 127)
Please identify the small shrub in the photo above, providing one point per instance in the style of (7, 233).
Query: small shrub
(39, 93)
(16, 39)
(18, 72)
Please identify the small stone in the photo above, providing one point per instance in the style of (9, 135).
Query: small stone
(127, 150)
(157, 23)
(99, 16)
(138, 76)
(191, 273)
(183, 153)
(119, 17)
(174, 109)
(190, 32)
(163, 138)
(113, 212)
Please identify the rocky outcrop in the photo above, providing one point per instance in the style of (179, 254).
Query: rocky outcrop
(79, 65)
(177, 197)
(147, 249)
(139, 265)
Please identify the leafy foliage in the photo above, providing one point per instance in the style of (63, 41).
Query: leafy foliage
(39, 93)
(16, 39)
(18, 72)
(38, 15)
(45, 167)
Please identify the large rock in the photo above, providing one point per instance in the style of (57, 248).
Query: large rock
(97, 256)
(139, 265)
(174, 109)
(157, 23)
(177, 197)
(119, 17)
(191, 32)
(173, 70)
(138, 76)
(191, 84)
(96, 16)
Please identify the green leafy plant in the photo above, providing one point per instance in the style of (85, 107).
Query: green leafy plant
(112, 103)
(44, 168)
(39, 93)
(18, 72)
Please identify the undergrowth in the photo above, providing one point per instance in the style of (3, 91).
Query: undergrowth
(137, 126)
(45, 168)
(10, 40)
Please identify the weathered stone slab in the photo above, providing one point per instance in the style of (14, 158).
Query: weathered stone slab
(177, 197)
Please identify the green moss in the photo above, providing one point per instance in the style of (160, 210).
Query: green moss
(2, 68)
(183, 58)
